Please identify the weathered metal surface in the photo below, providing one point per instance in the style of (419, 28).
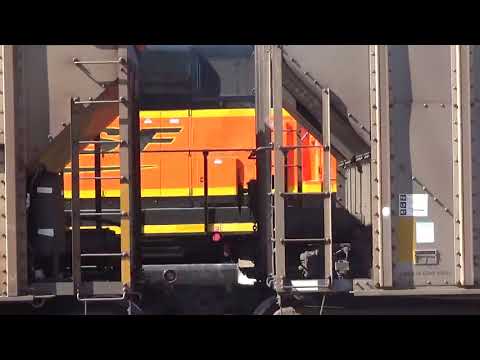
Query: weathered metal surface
(327, 201)
(263, 208)
(380, 158)
(422, 161)
(475, 151)
(50, 78)
(279, 176)
(462, 165)
(129, 167)
(3, 228)
(305, 92)
(332, 66)
(14, 186)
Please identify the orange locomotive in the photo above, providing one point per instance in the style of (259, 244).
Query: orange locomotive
(172, 163)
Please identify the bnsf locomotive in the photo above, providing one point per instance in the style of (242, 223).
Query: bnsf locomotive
(175, 146)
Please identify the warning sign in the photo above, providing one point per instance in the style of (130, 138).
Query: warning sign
(413, 205)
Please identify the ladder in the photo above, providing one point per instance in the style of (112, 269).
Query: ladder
(129, 181)
(279, 239)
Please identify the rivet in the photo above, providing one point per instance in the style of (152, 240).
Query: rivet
(425, 105)
(377, 266)
(442, 105)
(455, 106)
(459, 253)
(377, 285)
(377, 249)
(459, 266)
(457, 221)
(429, 282)
(374, 107)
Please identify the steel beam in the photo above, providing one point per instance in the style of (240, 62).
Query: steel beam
(129, 167)
(14, 185)
(380, 155)
(264, 261)
(75, 202)
(462, 164)
(327, 188)
(279, 156)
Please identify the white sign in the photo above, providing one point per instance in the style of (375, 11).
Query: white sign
(44, 190)
(413, 205)
(424, 232)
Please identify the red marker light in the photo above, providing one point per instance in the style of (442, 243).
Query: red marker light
(216, 237)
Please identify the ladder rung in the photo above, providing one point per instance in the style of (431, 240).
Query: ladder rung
(92, 299)
(78, 102)
(98, 62)
(100, 214)
(310, 241)
(98, 142)
(105, 255)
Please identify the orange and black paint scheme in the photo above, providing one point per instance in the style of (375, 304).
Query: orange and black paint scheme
(172, 169)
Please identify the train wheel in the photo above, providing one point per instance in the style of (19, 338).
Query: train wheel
(286, 311)
(38, 303)
(269, 306)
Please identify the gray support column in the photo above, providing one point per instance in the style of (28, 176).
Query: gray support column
(380, 155)
(327, 187)
(264, 261)
(280, 157)
(462, 164)
(14, 185)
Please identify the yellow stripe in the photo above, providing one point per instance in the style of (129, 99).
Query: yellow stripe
(164, 114)
(184, 228)
(166, 192)
(207, 113)
(197, 228)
